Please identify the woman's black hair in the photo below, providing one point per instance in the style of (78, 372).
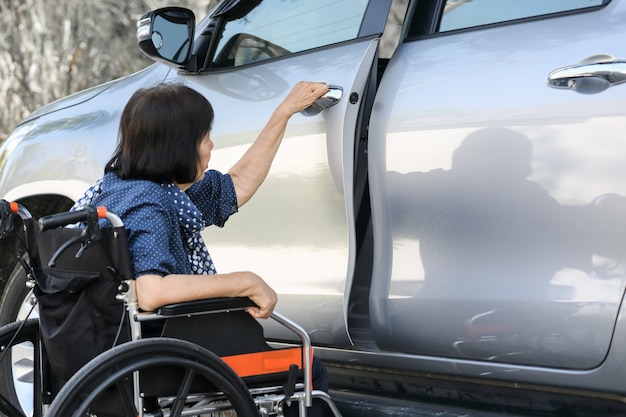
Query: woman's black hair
(160, 130)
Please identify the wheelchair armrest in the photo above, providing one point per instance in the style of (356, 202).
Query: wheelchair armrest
(207, 305)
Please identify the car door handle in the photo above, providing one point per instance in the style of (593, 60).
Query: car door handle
(332, 97)
(592, 75)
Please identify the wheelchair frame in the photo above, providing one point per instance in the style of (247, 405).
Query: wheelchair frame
(266, 400)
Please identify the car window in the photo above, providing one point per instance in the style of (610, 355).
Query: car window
(460, 14)
(278, 27)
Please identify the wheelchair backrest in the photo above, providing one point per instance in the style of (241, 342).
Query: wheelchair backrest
(78, 272)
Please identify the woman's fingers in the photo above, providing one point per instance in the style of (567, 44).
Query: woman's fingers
(304, 94)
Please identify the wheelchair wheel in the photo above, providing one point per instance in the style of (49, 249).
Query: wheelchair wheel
(176, 378)
(20, 381)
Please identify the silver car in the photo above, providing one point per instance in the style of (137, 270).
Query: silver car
(449, 225)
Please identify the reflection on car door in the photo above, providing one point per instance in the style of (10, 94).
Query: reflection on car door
(498, 201)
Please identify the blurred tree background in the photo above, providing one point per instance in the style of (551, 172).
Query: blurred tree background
(49, 49)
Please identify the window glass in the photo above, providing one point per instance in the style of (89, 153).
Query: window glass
(278, 27)
(459, 14)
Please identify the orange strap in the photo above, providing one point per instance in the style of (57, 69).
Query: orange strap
(269, 362)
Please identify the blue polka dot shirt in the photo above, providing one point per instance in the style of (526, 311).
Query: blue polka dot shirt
(152, 212)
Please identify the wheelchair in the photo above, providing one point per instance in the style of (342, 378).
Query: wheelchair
(96, 354)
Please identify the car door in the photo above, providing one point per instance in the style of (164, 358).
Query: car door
(297, 231)
(498, 200)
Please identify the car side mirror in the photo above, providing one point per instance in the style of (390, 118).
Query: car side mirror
(166, 35)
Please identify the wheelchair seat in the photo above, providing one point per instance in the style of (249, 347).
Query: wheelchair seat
(234, 336)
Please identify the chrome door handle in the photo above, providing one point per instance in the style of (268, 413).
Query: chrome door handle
(332, 97)
(591, 75)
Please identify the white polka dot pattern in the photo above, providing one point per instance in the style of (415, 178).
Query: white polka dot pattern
(164, 223)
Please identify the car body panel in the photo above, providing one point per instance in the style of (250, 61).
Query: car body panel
(69, 140)
(500, 234)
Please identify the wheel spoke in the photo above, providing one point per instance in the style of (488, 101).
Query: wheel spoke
(183, 392)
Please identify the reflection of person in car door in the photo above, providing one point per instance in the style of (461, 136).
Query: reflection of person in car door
(486, 231)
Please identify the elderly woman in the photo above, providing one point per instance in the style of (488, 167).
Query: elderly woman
(157, 182)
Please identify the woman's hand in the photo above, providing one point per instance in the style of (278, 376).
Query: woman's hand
(263, 296)
(301, 96)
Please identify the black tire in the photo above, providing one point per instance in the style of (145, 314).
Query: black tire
(107, 379)
(15, 297)
(14, 305)
(15, 338)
